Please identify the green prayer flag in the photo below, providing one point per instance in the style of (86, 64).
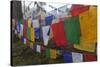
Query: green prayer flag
(28, 33)
(72, 30)
(47, 53)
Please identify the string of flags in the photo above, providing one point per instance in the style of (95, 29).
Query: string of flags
(75, 30)
(68, 57)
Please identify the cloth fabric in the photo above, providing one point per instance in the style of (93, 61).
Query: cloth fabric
(47, 53)
(72, 30)
(45, 30)
(59, 34)
(29, 22)
(27, 42)
(38, 49)
(90, 57)
(67, 57)
(77, 9)
(88, 37)
(48, 19)
(28, 33)
(21, 29)
(53, 53)
(35, 23)
(32, 34)
(32, 37)
(37, 33)
(77, 57)
(25, 29)
(31, 45)
(36, 26)
(24, 40)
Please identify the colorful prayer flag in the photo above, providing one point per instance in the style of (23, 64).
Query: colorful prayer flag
(45, 30)
(32, 34)
(29, 22)
(37, 33)
(31, 45)
(72, 30)
(88, 37)
(24, 40)
(48, 20)
(38, 48)
(77, 57)
(35, 23)
(90, 57)
(77, 9)
(53, 53)
(21, 29)
(47, 53)
(28, 33)
(59, 34)
(67, 57)
(25, 29)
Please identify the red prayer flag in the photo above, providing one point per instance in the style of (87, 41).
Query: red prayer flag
(90, 57)
(25, 30)
(77, 9)
(59, 34)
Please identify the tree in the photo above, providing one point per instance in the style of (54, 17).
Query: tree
(16, 10)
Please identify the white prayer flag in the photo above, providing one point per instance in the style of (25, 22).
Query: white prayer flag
(38, 49)
(24, 40)
(21, 30)
(77, 57)
(35, 23)
(45, 30)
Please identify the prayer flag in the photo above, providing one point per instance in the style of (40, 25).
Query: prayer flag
(72, 30)
(67, 57)
(77, 57)
(88, 37)
(45, 30)
(59, 34)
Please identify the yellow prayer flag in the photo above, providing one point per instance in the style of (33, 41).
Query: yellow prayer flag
(88, 25)
(32, 33)
(29, 22)
(53, 54)
(32, 37)
(31, 45)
